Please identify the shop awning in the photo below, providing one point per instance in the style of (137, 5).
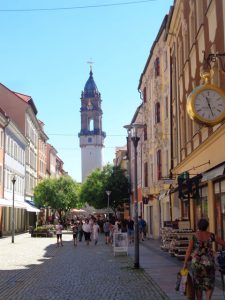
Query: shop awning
(30, 207)
(9, 203)
(212, 174)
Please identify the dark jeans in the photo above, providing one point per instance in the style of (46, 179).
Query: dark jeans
(80, 235)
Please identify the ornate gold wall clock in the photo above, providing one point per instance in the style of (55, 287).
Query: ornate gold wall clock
(206, 104)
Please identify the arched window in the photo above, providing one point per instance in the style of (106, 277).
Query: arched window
(145, 174)
(91, 125)
(157, 66)
(157, 113)
(145, 133)
(159, 165)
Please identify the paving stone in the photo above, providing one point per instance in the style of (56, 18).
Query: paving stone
(33, 268)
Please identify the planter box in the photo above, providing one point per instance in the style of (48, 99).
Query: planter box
(42, 234)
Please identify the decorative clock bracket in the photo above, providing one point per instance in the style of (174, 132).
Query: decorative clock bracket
(212, 57)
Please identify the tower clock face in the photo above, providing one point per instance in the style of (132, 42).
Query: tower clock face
(207, 105)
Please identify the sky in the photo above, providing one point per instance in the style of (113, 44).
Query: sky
(44, 54)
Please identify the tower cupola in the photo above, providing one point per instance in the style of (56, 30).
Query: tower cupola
(90, 88)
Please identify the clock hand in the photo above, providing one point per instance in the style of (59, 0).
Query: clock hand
(209, 105)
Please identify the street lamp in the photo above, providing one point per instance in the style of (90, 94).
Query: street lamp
(108, 194)
(132, 131)
(13, 216)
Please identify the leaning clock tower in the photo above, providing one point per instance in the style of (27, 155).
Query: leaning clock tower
(91, 134)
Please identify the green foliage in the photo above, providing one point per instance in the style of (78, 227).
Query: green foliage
(58, 193)
(93, 190)
(44, 228)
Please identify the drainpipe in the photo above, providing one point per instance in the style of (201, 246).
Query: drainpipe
(142, 207)
(171, 135)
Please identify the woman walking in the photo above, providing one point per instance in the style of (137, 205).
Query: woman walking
(202, 264)
(59, 229)
(95, 230)
(80, 231)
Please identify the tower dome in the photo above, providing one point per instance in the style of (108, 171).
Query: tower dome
(90, 88)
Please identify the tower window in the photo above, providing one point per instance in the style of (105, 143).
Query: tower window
(89, 140)
(91, 124)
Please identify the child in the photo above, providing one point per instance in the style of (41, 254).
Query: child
(59, 229)
(75, 232)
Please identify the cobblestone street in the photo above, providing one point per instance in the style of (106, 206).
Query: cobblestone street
(33, 268)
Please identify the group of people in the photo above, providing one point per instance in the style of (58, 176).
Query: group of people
(90, 229)
(125, 226)
(79, 229)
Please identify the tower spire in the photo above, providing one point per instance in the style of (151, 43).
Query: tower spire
(90, 62)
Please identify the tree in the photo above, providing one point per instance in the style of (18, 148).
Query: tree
(93, 190)
(58, 193)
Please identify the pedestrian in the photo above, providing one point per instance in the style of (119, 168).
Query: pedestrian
(80, 231)
(59, 229)
(87, 231)
(74, 227)
(124, 226)
(106, 229)
(142, 227)
(202, 263)
(130, 230)
(117, 226)
(95, 230)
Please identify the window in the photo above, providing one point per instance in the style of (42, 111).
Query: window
(157, 113)
(145, 133)
(166, 108)
(201, 205)
(91, 125)
(165, 60)
(219, 191)
(157, 67)
(159, 165)
(144, 95)
(167, 163)
(1, 138)
(89, 140)
(146, 174)
(0, 175)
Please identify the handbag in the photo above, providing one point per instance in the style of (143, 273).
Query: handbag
(181, 281)
(184, 284)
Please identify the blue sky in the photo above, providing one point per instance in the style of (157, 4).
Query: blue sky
(44, 54)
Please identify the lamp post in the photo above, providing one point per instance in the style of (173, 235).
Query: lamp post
(108, 194)
(13, 216)
(132, 131)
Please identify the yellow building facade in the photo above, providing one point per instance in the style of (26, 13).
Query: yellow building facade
(195, 32)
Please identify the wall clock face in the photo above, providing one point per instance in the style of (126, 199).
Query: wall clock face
(206, 104)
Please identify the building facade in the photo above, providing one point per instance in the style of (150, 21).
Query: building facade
(197, 30)
(42, 153)
(91, 135)
(155, 89)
